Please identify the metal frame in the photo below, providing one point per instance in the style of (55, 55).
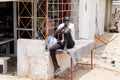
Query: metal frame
(72, 68)
(15, 28)
(22, 25)
(53, 12)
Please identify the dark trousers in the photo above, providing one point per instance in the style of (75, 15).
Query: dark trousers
(60, 45)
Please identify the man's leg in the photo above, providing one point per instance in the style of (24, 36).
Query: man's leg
(53, 55)
(68, 40)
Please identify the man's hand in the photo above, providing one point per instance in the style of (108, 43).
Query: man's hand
(66, 30)
(60, 30)
(65, 48)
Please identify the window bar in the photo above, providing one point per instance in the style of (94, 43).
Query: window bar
(32, 17)
(58, 13)
(46, 25)
(53, 13)
(18, 20)
(62, 11)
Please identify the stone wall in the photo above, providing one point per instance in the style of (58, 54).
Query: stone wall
(34, 61)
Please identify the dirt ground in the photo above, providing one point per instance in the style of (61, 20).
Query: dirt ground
(106, 61)
(6, 77)
(82, 74)
(108, 56)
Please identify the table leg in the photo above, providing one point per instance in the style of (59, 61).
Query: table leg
(91, 59)
(8, 49)
(5, 67)
(71, 69)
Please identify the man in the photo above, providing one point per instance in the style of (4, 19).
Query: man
(67, 30)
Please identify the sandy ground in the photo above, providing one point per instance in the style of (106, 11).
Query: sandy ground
(97, 73)
(6, 77)
(108, 56)
(82, 74)
(106, 62)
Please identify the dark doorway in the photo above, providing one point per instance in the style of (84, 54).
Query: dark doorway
(6, 28)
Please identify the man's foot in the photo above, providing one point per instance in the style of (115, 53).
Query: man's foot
(57, 69)
(65, 48)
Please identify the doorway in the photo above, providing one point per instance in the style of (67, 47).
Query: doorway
(7, 38)
(6, 29)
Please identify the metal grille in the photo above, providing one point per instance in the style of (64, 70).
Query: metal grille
(50, 14)
(41, 14)
(25, 20)
(58, 9)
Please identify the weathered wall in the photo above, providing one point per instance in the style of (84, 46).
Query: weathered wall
(90, 10)
(75, 16)
(34, 61)
(108, 14)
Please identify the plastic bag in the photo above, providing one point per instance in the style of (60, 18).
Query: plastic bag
(51, 41)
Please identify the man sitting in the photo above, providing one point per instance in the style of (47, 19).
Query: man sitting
(67, 30)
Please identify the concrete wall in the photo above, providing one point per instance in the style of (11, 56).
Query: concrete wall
(108, 14)
(35, 62)
(90, 10)
(75, 16)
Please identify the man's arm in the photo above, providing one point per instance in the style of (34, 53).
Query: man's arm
(59, 30)
(66, 30)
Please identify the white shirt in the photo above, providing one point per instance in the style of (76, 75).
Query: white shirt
(71, 26)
